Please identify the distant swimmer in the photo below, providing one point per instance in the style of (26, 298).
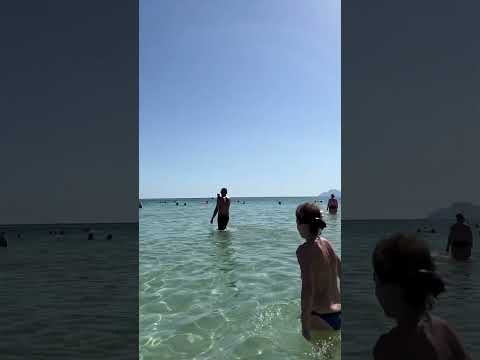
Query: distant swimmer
(90, 235)
(109, 237)
(320, 269)
(332, 205)
(3, 240)
(460, 239)
(279, 203)
(176, 203)
(184, 204)
(223, 210)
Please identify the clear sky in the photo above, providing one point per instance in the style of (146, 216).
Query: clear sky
(242, 94)
(410, 116)
(69, 138)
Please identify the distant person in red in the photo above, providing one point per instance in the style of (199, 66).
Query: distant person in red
(406, 286)
(223, 210)
(332, 206)
(460, 240)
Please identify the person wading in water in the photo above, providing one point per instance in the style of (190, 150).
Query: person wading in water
(332, 205)
(223, 210)
(460, 239)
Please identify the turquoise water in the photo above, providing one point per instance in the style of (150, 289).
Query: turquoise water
(365, 322)
(208, 294)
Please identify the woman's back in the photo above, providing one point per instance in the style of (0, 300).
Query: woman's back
(431, 339)
(461, 233)
(326, 295)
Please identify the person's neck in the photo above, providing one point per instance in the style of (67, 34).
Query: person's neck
(409, 321)
(310, 238)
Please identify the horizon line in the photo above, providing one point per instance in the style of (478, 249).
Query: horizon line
(71, 223)
(210, 197)
(389, 219)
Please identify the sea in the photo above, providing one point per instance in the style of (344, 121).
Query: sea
(65, 296)
(234, 294)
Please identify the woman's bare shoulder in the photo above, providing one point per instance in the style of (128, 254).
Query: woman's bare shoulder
(450, 337)
(440, 325)
(303, 249)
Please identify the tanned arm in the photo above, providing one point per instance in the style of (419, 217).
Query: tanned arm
(305, 263)
(450, 235)
(339, 268)
(215, 211)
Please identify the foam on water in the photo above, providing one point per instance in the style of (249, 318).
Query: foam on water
(234, 294)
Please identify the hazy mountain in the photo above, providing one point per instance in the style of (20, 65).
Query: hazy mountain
(327, 194)
(470, 211)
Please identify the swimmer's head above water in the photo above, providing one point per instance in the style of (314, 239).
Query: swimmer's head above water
(309, 221)
(406, 281)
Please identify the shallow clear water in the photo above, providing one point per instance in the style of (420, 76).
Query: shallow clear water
(365, 322)
(235, 294)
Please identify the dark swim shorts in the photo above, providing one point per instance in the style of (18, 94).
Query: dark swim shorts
(222, 222)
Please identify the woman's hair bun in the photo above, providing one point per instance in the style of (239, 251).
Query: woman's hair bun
(432, 281)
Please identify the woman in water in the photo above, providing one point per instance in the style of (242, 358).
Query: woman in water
(406, 286)
(320, 270)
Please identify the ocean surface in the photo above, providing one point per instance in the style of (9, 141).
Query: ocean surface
(235, 294)
(63, 296)
(364, 321)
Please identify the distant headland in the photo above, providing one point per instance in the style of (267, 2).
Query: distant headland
(327, 194)
(469, 210)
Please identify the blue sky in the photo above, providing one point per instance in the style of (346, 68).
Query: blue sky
(242, 94)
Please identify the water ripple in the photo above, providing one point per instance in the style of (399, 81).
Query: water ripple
(206, 294)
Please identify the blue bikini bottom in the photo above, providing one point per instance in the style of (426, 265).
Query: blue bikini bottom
(332, 319)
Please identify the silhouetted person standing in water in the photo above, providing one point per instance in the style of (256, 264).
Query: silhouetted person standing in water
(223, 210)
(460, 239)
(332, 205)
(320, 270)
(3, 240)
